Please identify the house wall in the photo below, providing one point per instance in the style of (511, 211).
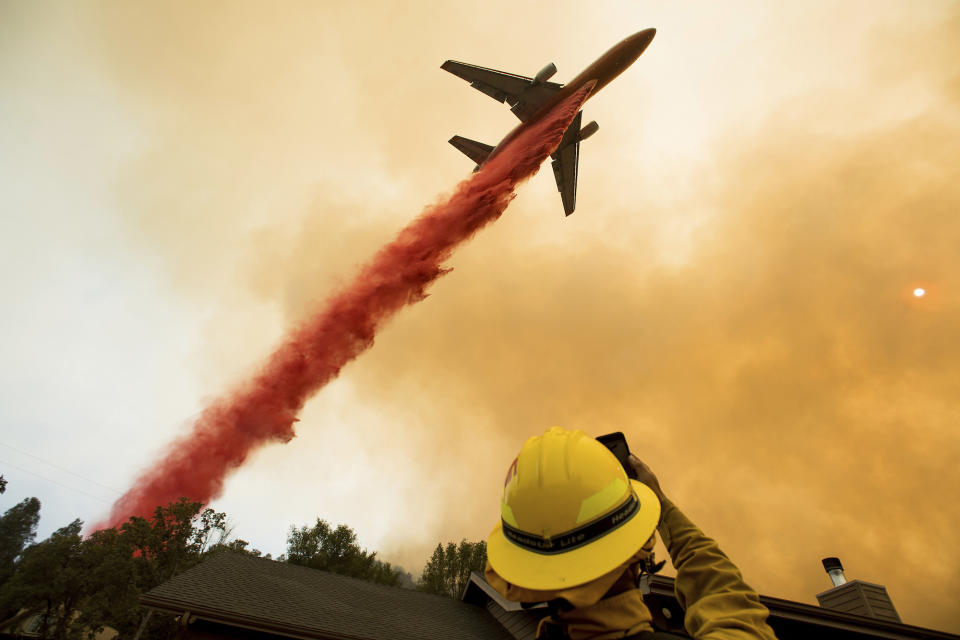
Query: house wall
(522, 625)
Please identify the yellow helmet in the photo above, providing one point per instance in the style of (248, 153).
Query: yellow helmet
(569, 513)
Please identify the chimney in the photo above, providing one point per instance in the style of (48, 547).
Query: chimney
(856, 596)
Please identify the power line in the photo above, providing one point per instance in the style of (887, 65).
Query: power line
(56, 466)
(90, 495)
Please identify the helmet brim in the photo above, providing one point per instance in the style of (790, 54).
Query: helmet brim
(544, 572)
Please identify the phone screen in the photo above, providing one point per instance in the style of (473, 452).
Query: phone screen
(617, 443)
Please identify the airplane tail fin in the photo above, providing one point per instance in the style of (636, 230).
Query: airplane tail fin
(476, 151)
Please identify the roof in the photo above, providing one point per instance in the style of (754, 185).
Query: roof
(245, 592)
(790, 620)
(275, 597)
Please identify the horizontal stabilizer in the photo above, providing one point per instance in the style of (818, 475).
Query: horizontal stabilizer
(476, 151)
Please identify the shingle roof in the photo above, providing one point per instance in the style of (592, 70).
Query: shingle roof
(286, 599)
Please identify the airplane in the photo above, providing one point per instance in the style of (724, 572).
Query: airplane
(532, 98)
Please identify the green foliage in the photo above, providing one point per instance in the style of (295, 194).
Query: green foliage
(336, 550)
(406, 578)
(77, 584)
(174, 539)
(18, 528)
(113, 594)
(238, 545)
(51, 580)
(148, 552)
(448, 570)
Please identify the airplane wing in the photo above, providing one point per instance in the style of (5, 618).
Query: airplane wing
(524, 95)
(565, 163)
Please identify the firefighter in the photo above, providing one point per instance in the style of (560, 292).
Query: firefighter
(576, 532)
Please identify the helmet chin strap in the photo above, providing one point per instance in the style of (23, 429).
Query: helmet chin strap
(648, 564)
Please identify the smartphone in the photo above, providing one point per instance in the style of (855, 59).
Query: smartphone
(618, 445)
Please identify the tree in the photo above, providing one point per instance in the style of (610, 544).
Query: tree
(448, 570)
(175, 538)
(50, 580)
(433, 579)
(113, 592)
(172, 540)
(406, 578)
(76, 584)
(337, 550)
(238, 545)
(18, 528)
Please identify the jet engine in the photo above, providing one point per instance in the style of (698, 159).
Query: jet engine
(588, 131)
(545, 74)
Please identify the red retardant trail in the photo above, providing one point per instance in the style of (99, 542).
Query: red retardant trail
(264, 409)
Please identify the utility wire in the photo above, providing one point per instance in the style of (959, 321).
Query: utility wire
(56, 466)
(90, 495)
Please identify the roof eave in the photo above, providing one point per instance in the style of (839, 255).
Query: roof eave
(238, 620)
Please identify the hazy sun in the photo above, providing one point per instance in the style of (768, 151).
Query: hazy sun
(919, 293)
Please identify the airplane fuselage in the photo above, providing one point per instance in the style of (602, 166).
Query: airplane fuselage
(602, 72)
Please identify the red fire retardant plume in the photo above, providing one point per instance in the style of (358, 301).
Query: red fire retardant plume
(264, 409)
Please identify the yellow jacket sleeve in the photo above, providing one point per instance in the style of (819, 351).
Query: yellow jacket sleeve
(719, 605)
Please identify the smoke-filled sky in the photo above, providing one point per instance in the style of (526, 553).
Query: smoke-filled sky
(181, 183)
